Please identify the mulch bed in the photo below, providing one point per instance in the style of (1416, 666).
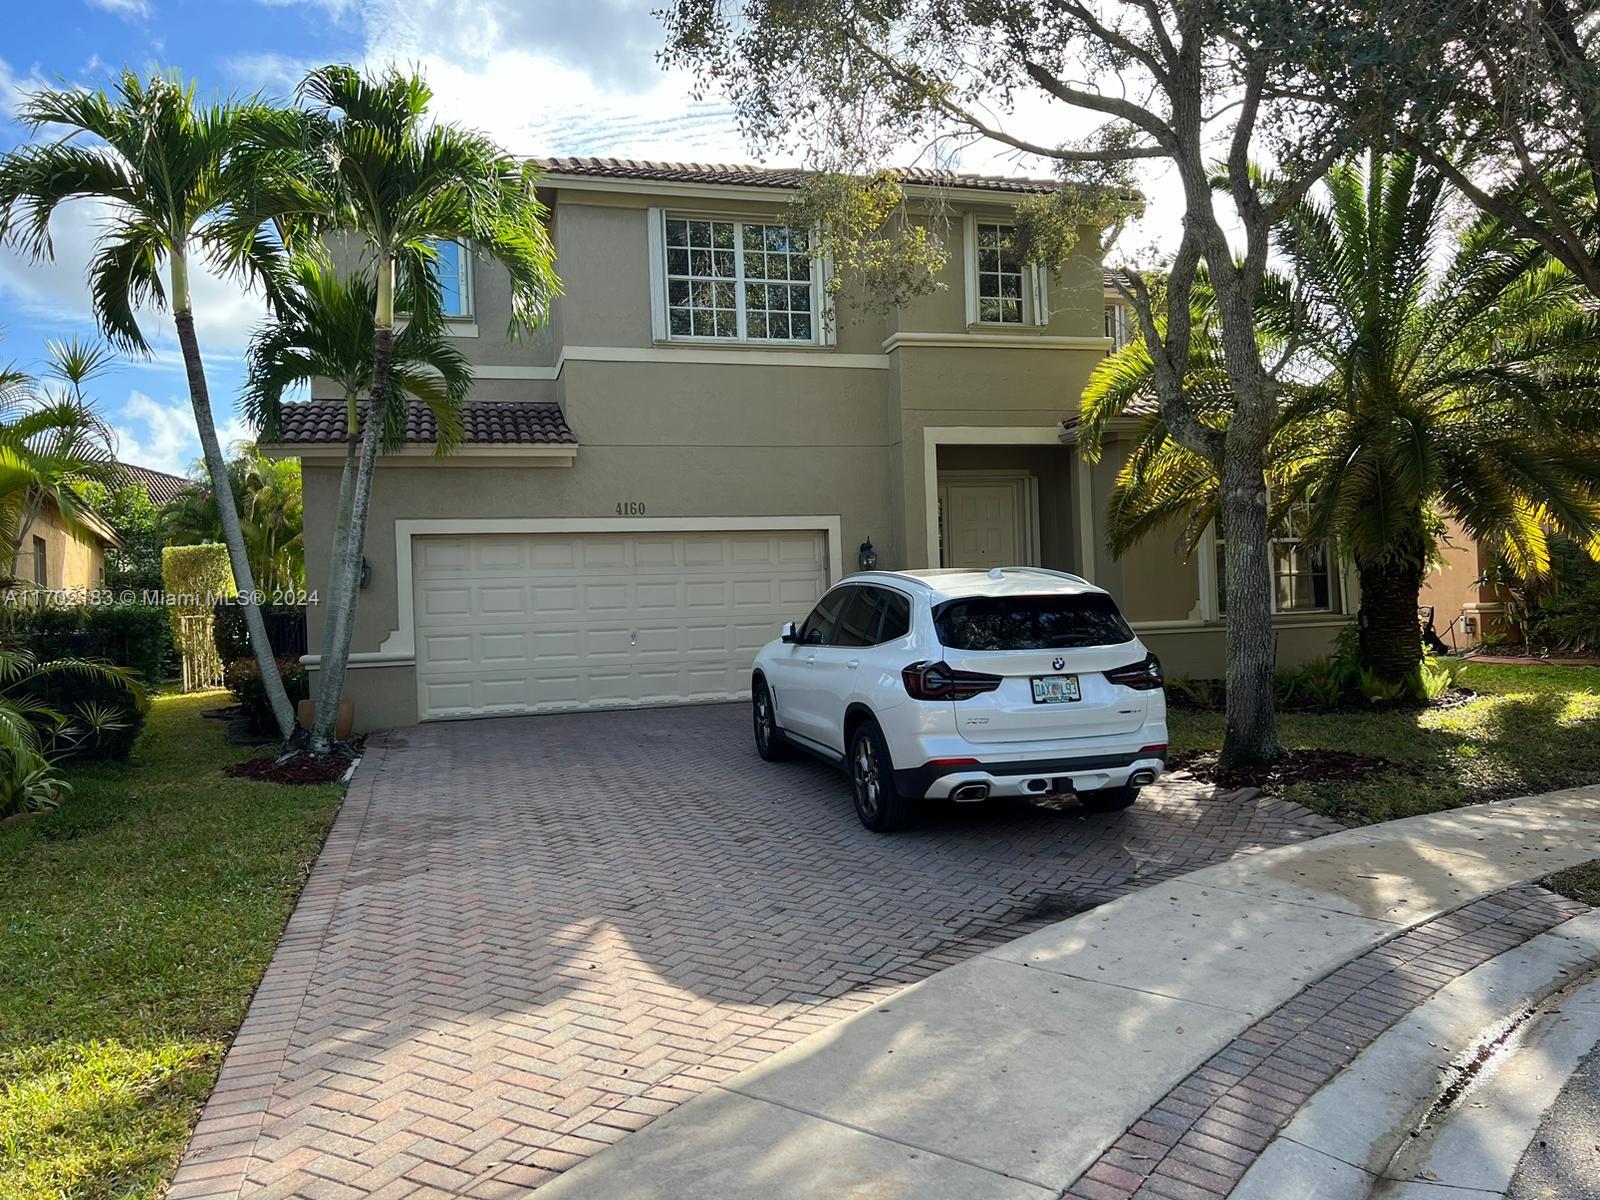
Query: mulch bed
(300, 769)
(1299, 766)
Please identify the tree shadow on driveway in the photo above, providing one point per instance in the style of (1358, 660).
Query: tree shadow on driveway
(553, 929)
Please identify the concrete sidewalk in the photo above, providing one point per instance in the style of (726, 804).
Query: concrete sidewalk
(1010, 1074)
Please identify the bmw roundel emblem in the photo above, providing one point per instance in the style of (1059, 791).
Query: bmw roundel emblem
(1058, 663)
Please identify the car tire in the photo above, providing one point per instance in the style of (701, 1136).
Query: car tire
(879, 804)
(770, 742)
(1110, 799)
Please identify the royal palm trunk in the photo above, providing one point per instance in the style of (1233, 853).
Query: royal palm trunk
(345, 570)
(227, 513)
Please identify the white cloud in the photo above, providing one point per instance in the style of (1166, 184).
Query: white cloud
(152, 434)
(12, 87)
(129, 9)
(58, 291)
(161, 434)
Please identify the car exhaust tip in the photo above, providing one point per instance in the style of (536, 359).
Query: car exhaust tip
(1141, 779)
(969, 792)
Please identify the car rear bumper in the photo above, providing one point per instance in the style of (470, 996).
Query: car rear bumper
(1030, 777)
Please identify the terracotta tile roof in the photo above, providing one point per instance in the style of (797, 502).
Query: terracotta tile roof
(488, 422)
(746, 175)
(161, 487)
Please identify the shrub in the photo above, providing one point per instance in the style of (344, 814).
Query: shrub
(135, 636)
(286, 625)
(1437, 675)
(103, 718)
(243, 678)
(1195, 693)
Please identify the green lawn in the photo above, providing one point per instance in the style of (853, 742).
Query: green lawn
(134, 924)
(1531, 729)
(1580, 883)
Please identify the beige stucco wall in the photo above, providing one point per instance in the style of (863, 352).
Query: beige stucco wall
(763, 437)
(72, 560)
(1453, 590)
(1201, 653)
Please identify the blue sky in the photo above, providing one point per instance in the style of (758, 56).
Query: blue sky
(554, 77)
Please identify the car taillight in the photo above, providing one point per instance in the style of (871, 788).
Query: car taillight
(1144, 675)
(940, 681)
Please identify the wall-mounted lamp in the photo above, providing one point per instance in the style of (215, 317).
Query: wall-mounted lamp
(867, 557)
(366, 573)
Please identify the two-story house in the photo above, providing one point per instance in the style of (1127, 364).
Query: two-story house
(696, 446)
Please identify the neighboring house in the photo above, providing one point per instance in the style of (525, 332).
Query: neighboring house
(64, 558)
(694, 448)
(161, 487)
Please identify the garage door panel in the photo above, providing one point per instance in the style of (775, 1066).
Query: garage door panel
(606, 596)
(554, 622)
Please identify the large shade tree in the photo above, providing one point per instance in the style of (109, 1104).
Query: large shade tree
(367, 167)
(1502, 99)
(159, 161)
(1436, 375)
(1206, 89)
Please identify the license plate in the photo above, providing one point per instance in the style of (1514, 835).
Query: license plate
(1055, 689)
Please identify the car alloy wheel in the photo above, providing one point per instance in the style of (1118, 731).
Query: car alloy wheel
(763, 715)
(864, 774)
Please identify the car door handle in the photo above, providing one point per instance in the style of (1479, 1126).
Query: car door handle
(853, 663)
(810, 658)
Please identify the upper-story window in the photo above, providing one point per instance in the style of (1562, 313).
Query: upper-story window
(1000, 276)
(1002, 290)
(1119, 324)
(742, 280)
(453, 269)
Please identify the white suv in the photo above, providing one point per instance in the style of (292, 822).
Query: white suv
(962, 685)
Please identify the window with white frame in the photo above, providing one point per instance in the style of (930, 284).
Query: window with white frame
(1119, 324)
(1000, 276)
(744, 280)
(453, 272)
(1303, 578)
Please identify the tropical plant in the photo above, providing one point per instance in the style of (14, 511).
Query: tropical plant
(266, 494)
(366, 161)
(161, 164)
(52, 444)
(324, 328)
(138, 524)
(33, 733)
(1470, 389)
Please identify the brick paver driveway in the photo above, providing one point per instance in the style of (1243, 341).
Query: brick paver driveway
(528, 937)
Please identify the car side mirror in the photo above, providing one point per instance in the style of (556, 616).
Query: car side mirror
(790, 635)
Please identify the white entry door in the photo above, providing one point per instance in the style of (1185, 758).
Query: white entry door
(523, 623)
(980, 525)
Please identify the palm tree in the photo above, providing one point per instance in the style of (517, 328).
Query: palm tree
(32, 732)
(365, 162)
(52, 441)
(324, 328)
(1416, 391)
(266, 493)
(160, 162)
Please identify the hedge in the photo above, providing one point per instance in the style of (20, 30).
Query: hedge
(136, 636)
(243, 678)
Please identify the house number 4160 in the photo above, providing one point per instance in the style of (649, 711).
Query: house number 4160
(630, 508)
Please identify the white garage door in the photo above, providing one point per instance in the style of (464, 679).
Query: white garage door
(518, 623)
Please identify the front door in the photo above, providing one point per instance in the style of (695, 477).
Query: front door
(980, 525)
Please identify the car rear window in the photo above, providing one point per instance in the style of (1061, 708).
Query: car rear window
(1030, 622)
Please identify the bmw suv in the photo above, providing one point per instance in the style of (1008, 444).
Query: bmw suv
(964, 685)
